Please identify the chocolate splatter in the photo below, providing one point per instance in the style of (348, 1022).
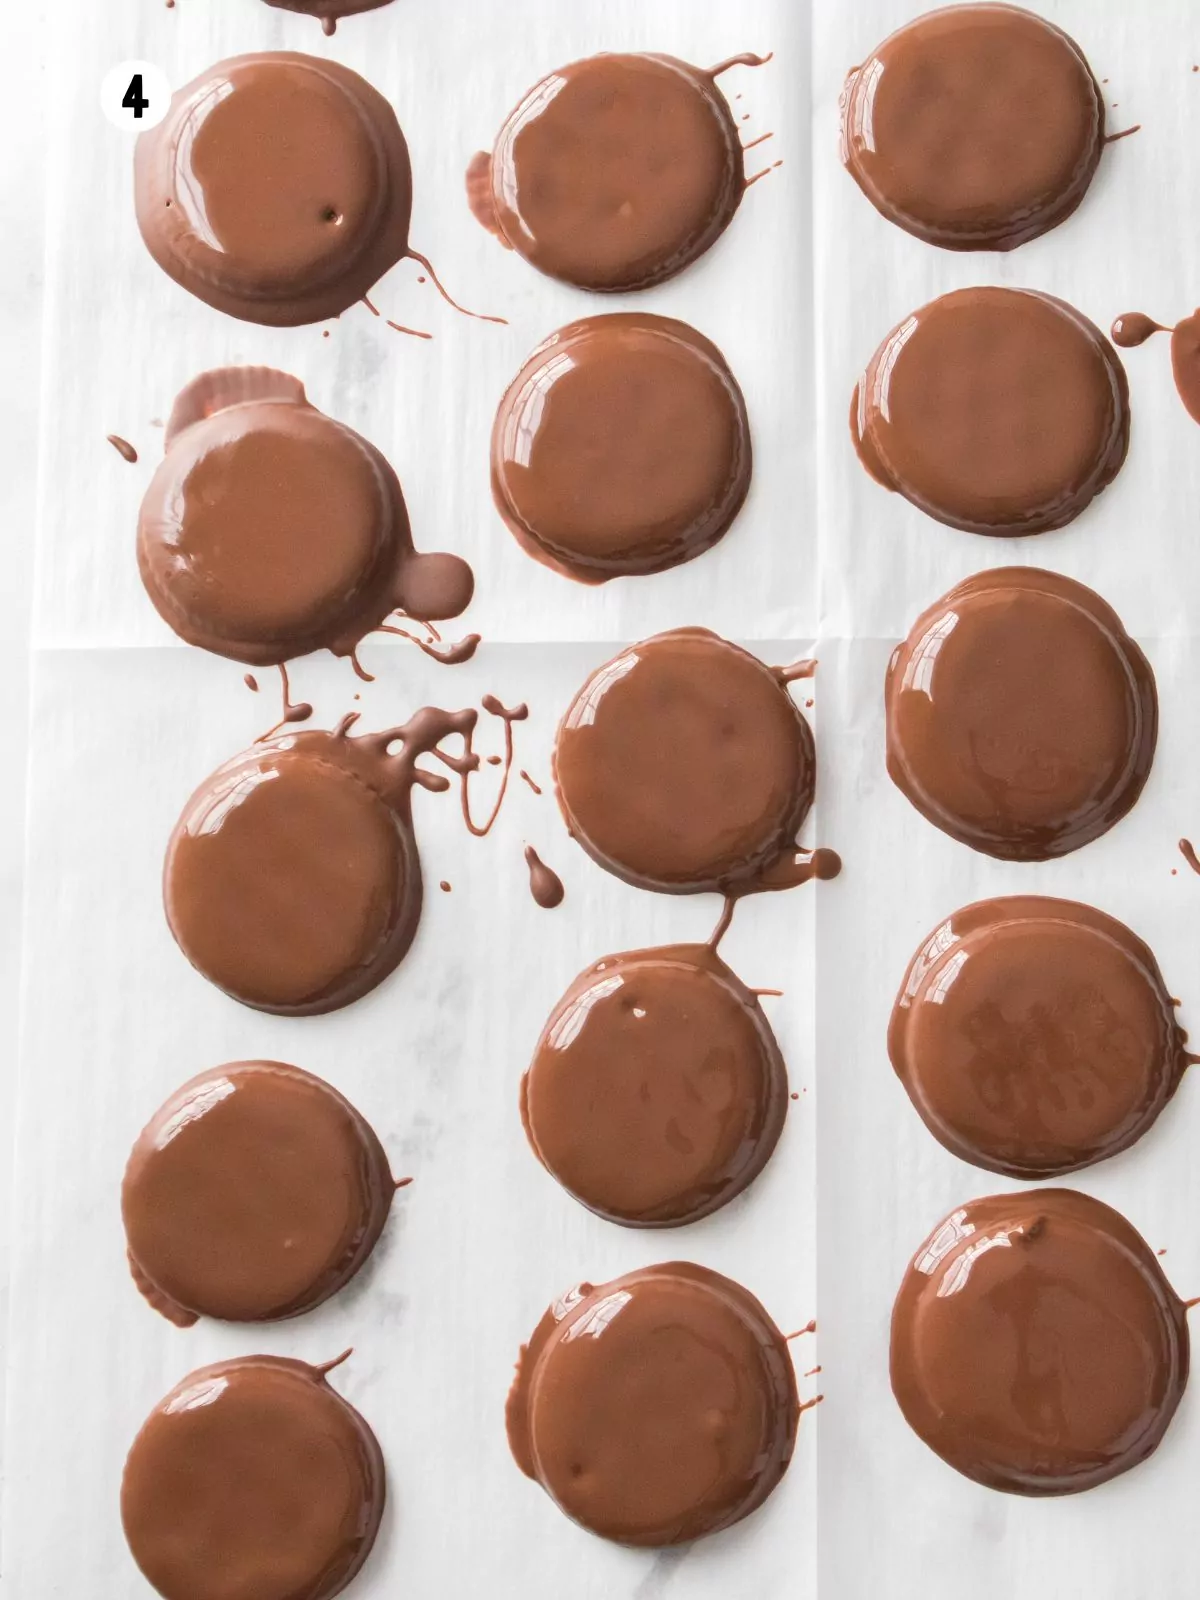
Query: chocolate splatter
(123, 447)
(545, 885)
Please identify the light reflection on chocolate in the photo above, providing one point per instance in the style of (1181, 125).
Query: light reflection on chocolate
(683, 765)
(1036, 1345)
(292, 880)
(1035, 1036)
(271, 530)
(615, 172)
(277, 189)
(997, 411)
(974, 127)
(621, 447)
(255, 1192)
(253, 1480)
(1021, 717)
(657, 1091)
(656, 1408)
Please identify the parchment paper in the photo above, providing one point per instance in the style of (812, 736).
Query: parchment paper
(127, 722)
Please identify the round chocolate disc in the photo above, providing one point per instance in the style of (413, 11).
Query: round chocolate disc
(1021, 717)
(252, 1480)
(618, 171)
(683, 764)
(255, 1192)
(1036, 1345)
(1035, 1036)
(974, 127)
(657, 1091)
(998, 411)
(270, 530)
(330, 12)
(277, 188)
(621, 447)
(292, 879)
(656, 1408)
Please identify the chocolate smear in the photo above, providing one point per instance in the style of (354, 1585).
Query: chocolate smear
(1036, 1345)
(124, 449)
(683, 765)
(656, 1408)
(271, 530)
(974, 127)
(1134, 328)
(657, 1091)
(253, 1480)
(330, 12)
(613, 173)
(545, 885)
(525, 778)
(255, 1192)
(292, 879)
(998, 411)
(1035, 1036)
(1021, 717)
(1188, 852)
(621, 447)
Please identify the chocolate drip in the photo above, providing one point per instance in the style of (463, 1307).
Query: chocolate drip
(329, 12)
(123, 447)
(1133, 328)
(545, 885)
(656, 1408)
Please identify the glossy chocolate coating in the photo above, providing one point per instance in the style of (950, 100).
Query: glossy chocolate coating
(252, 1480)
(656, 1408)
(255, 1192)
(292, 879)
(975, 127)
(621, 447)
(657, 1092)
(330, 12)
(1021, 717)
(277, 188)
(1035, 1036)
(683, 765)
(270, 530)
(615, 172)
(998, 411)
(1036, 1345)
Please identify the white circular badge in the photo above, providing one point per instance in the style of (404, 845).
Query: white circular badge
(135, 96)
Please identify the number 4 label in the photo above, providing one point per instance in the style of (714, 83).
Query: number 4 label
(135, 95)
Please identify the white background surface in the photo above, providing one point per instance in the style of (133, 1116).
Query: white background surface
(126, 722)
